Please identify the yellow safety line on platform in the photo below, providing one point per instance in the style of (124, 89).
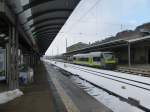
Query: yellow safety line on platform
(70, 106)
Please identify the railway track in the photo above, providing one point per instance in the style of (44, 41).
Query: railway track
(134, 71)
(142, 85)
(115, 78)
(129, 70)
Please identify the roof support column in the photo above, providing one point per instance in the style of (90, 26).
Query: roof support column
(129, 54)
(8, 48)
(12, 59)
(30, 60)
(36, 59)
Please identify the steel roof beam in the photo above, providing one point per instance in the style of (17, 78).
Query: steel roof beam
(35, 3)
(46, 36)
(49, 36)
(48, 12)
(45, 33)
(39, 33)
(54, 30)
(49, 28)
(47, 19)
(47, 25)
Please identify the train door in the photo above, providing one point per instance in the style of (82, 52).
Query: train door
(91, 60)
(102, 61)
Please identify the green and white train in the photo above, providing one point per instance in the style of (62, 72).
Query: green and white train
(104, 60)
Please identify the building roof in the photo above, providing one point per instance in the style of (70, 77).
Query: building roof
(77, 46)
(110, 44)
(138, 39)
(79, 43)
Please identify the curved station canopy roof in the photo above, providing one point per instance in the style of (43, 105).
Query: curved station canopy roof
(42, 19)
(48, 17)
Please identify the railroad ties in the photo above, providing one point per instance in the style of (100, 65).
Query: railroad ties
(134, 71)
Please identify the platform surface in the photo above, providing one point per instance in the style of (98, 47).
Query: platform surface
(53, 92)
(79, 100)
(37, 96)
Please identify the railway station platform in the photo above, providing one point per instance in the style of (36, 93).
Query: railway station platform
(53, 92)
(37, 96)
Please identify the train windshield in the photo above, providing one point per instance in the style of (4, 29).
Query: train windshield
(108, 56)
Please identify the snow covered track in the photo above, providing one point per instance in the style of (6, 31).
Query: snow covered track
(133, 88)
(111, 77)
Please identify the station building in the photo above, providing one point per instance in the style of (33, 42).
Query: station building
(77, 46)
(131, 47)
(134, 47)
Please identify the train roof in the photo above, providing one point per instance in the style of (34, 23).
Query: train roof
(97, 53)
(81, 55)
(90, 54)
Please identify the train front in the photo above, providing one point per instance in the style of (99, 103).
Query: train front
(110, 61)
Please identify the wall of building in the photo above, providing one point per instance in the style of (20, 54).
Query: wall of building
(122, 55)
(141, 55)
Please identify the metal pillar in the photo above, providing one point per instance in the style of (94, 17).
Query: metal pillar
(5, 58)
(35, 59)
(28, 59)
(31, 59)
(129, 54)
(7, 62)
(31, 64)
(12, 59)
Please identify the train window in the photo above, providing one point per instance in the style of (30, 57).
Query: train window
(83, 59)
(86, 59)
(96, 58)
(101, 56)
(108, 56)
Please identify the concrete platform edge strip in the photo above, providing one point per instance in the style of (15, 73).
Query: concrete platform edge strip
(70, 106)
(56, 97)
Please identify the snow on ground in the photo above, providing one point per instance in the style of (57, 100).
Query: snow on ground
(10, 95)
(123, 75)
(119, 88)
(114, 103)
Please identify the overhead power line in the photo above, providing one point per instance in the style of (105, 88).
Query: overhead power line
(84, 15)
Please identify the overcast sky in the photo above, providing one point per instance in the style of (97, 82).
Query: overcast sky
(94, 20)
